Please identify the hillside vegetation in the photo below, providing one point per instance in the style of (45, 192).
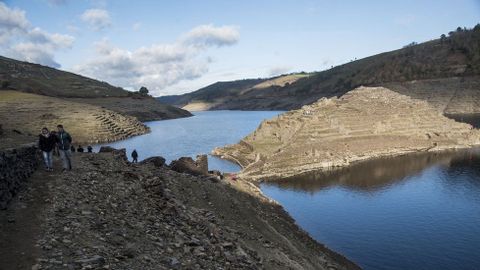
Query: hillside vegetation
(43, 80)
(454, 55)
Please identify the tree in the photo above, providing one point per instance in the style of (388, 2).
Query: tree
(143, 90)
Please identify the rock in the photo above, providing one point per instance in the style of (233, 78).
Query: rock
(202, 163)
(186, 165)
(16, 165)
(156, 161)
(96, 259)
(107, 149)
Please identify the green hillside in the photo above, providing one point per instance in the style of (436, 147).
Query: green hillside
(456, 54)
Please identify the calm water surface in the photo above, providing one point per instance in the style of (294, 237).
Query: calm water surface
(195, 135)
(414, 212)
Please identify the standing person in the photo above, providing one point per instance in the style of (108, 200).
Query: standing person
(64, 141)
(72, 148)
(135, 156)
(89, 149)
(80, 149)
(46, 143)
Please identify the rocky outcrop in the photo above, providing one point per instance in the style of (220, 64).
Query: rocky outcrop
(188, 165)
(16, 165)
(365, 123)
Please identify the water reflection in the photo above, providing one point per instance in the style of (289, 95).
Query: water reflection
(380, 173)
(412, 212)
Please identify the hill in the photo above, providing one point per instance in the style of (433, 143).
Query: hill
(46, 81)
(365, 123)
(86, 123)
(454, 56)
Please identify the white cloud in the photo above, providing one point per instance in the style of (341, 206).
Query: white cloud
(159, 65)
(209, 35)
(12, 21)
(18, 39)
(98, 19)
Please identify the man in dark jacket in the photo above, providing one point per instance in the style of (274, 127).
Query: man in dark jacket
(46, 143)
(64, 141)
(135, 156)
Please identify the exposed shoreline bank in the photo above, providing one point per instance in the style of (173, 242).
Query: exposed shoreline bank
(109, 212)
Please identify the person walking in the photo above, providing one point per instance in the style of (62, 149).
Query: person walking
(64, 141)
(135, 156)
(46, 143)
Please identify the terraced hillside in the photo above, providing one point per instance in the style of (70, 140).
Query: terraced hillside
(456, 55)
(365, 123)
(28, 113)
(42, 80)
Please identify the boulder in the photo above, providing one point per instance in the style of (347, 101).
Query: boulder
(186, 165)
(156, 161)
(202, 163)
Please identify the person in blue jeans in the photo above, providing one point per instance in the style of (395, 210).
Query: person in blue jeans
(64, 141)
(46, 143)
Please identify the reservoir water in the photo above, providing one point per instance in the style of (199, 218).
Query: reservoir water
(200, 134)
(411, 212)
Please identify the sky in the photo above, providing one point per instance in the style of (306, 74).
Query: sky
(174, 47)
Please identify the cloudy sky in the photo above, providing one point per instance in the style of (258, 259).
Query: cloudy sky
(173, 47)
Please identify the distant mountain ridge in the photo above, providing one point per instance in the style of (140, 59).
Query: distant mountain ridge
(455, 55)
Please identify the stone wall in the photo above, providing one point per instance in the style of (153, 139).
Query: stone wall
(16, 165)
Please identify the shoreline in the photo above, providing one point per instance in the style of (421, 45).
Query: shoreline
(340, 166)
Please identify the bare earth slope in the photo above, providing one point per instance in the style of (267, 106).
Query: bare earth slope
(28, 113)
(365, 123)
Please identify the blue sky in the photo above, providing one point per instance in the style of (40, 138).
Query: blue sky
(173, 47)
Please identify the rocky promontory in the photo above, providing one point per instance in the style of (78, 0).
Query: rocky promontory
(365, 123)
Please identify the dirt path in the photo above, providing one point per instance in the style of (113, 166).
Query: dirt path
(20, 224)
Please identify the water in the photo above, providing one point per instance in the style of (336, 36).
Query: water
(413, 212)
(195, 135)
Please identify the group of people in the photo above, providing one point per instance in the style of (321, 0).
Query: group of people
(61, 141)
(57, 141)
